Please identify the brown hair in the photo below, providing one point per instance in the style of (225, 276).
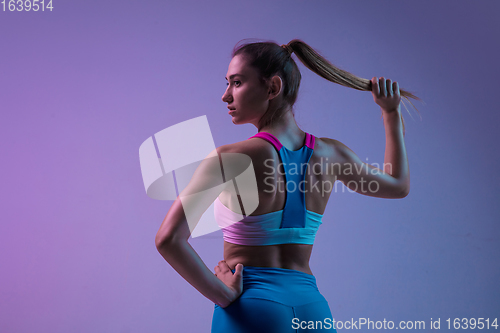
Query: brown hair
(271, 59)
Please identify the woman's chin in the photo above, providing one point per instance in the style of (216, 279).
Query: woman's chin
(235, 120)
(239, 121)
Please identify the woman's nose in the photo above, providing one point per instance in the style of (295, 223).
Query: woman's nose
(226, 98)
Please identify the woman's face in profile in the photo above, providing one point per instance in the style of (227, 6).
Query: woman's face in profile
(246, 95)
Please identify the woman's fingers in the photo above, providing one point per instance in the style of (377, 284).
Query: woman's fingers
(382, 87)
(388, 84)
(375, 86)
(386, 93)
(395, 88)
(383, 90)
(223, 266)
(238, 270)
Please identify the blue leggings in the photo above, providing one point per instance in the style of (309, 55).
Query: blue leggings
(275, 300)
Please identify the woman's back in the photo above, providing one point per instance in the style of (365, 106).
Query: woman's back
(317, 181)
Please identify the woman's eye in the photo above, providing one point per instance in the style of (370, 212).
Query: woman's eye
(236, 83)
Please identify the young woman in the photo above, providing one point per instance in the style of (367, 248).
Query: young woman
(264, 283)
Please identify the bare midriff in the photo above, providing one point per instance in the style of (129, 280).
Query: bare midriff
(288, 256)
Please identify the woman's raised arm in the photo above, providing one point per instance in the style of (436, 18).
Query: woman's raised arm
(394, 180)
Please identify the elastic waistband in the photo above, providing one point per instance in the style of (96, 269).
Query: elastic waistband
(285, 286)
(276, 271)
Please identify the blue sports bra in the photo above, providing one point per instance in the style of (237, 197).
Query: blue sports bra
(294, 224)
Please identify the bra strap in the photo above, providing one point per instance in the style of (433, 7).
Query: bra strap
(310, 139)
(269, 137)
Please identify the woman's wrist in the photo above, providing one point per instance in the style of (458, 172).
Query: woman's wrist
(391, 112)
(391, 116)
(392, 121)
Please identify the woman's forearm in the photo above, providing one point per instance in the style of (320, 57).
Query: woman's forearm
(184, 259)
(395, 159)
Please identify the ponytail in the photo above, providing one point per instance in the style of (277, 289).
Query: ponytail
(319, 65)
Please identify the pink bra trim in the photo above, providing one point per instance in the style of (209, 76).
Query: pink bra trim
(310, 139)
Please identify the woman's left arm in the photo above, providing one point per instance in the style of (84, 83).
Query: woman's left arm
(387, 95)
(172, 237)
(393, 181)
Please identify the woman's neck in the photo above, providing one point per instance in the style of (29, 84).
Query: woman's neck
(287, 131)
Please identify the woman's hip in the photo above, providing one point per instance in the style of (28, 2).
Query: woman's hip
(273, 300)
(286, 286)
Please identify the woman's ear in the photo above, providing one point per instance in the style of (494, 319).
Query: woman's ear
(275, 87)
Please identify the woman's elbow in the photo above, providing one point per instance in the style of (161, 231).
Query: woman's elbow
(163, 241)
(403, 193)
(223, 304)
(168, 235)
(397, 193)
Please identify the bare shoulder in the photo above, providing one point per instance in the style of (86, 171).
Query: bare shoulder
(331, 148)
(238, 156)
(254, 147)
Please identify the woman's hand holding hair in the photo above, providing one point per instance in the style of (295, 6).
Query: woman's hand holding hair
(386, 94)
(233, 281)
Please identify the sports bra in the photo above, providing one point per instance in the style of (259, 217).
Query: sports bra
(294, 224)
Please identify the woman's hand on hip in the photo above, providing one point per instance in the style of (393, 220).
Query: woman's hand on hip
(386, 94)
(233, 281)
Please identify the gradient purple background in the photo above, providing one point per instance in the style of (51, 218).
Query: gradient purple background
(83, 86)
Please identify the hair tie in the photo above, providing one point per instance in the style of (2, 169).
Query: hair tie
(287, 48)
